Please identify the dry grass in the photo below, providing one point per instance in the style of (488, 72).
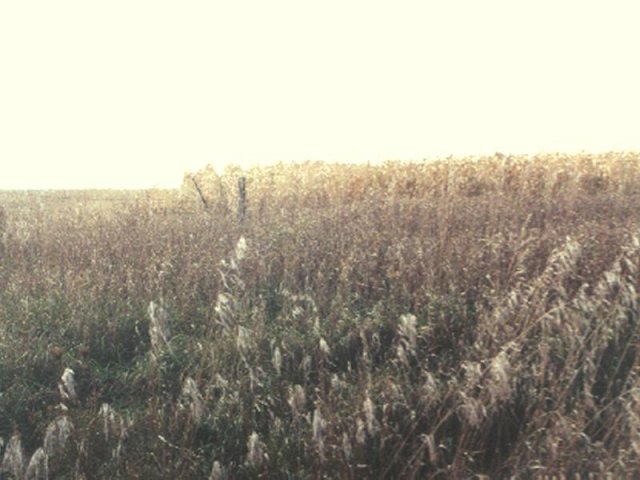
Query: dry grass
(476, 317)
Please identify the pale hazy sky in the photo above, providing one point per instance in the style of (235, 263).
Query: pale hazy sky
(127, 93)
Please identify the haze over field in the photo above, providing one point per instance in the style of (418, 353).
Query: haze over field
(131, 93)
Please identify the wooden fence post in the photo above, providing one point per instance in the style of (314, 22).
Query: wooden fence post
(200, 194)
(242, 198)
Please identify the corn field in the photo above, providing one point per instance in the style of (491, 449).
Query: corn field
(467, 318)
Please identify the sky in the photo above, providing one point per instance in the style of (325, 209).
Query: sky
(132, 93)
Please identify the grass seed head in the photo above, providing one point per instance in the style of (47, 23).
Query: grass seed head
(324, 347)
(108, 416)
(159, 330)
(408, 332)
(346, 446)
(297, 399)
(500, 388)
(241, 249)
(38, 468)
(336, 383)
(13, 460)
(361, 432)
(276, 360)
(318, 427)
(472, 410)
(255, 454)
(243, 340)
(216, 471)
(57, 434)
(114, 428)
(191, 394)
(370, 416)
(67, 386)
(401, 355)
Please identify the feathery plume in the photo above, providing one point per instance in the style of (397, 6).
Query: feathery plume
(346, 446)
(159, 331)
(472, 410)
(318, 426)
(297, 399)
(401, 355)
(192, 395)
(216, 471)
(500, 388)
(38, 468)
(224, 310)
(13, 460)
(407, 344)
(324, 347)
(57, 434)
(431, 446)
(277, 360)
(67, 385)
(255, 454)
(361, 432)
(370, 416)
(243, 340)
(408, 332)
(241, 249)
(108, 419)
(336, 383)
(113, 425)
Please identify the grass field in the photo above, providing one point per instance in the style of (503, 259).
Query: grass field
(472, 318)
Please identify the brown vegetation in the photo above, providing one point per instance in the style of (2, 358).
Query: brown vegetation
(431, 320)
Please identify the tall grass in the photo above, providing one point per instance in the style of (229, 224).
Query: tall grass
(452, 319)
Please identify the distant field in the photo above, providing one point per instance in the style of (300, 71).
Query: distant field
(430, 320)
